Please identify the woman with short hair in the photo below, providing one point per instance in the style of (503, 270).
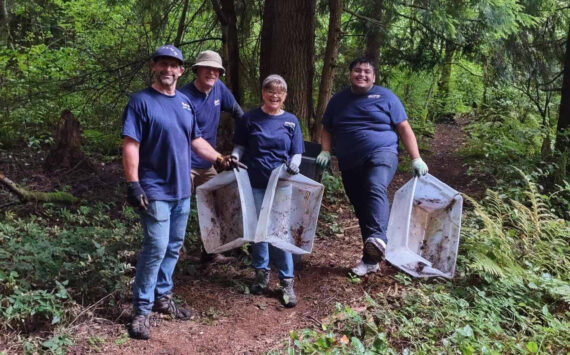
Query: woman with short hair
(265, 138)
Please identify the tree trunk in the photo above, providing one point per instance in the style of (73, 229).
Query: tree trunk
(67, 152)
(181, 25)
(562, 131)
(232, 43)
(562, 146)
(329, 65)
(4, 22)
(374, 33)
(287, 49)
(438, 108)
(226, 14)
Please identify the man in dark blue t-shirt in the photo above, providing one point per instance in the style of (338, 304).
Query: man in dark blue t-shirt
(159, 131)
(365, 121)
(209, 97)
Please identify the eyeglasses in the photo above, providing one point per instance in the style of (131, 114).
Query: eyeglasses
(275, 93)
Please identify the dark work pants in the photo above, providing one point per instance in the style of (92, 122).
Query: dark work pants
(367, 190)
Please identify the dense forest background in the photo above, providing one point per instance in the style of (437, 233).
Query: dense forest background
(502, 67)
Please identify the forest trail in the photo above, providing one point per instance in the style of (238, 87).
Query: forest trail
(228, 321)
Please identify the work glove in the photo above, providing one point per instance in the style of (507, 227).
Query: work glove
(292, 168)
(419, 167)
(228, 162)
(136, 196)
(323, 159)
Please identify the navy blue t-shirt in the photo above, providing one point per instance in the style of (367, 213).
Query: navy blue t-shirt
(269, 141)
(208, 109)
(363, 124)
(165, 127)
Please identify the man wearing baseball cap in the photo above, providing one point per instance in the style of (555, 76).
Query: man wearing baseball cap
(209, 97)
(159, 134)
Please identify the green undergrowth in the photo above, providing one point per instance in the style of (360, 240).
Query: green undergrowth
(511, 293)
(57, 263)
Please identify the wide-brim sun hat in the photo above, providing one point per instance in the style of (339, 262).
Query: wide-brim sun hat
(209, 59)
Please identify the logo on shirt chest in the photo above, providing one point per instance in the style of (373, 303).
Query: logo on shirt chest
(374, 96)
(186, 107)
(290, 125)
(216, 102)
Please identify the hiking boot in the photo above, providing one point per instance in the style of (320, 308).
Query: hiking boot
(362, 268)
(289, 298)
(375, 248)
(140, 327)
(216, 259)
(166, 305)
(261, 282)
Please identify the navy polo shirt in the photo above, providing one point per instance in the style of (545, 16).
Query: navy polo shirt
(165, 127)
(363, 124)
(269, 141)
(208, 107)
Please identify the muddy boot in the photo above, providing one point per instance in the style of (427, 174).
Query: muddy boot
(140, 327)
(289, 298)
(166, 305)
(261, 282)
(206, 258)
(375, 248)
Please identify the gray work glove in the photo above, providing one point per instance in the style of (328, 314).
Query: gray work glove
(323, 159)
(292, 168)
(419, 167)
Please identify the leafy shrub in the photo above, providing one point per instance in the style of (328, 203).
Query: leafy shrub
(511, 295)
(63, 257)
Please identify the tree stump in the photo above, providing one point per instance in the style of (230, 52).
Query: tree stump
(67, 153)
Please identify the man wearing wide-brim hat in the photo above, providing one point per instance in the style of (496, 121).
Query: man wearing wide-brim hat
(209, 97)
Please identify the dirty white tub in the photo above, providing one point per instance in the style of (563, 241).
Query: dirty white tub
(226, 211)
(289, 212)
(423, 230)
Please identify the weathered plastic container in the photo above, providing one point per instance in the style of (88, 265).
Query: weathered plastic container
(226, 211)
(289, 212)
(423, 230)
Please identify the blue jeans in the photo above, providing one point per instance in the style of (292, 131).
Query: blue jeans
(164, 227)
(367, 190)
(263, 252)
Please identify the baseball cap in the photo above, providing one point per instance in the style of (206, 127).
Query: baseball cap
(168, 51)
(209, 59)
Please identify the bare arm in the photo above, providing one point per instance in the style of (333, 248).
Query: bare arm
(131, 159)
(326, 140)
(205, 150)
(409, 139)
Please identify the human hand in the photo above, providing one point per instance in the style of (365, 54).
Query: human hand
(323, 159)
(419, 167)
(136, 196)
(292, 168)
(229, 162)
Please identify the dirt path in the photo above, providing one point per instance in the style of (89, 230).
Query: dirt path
(231, 322)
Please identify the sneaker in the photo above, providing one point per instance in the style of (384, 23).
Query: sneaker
(140, 327)
(166, 305)
(375, 248)
(289, 298)
(261, 282)
(362, 268)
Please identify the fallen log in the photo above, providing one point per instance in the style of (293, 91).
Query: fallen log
(37, 196)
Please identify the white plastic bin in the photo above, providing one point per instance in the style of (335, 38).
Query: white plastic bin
(289, 212)
(226, 211)
(423, 230)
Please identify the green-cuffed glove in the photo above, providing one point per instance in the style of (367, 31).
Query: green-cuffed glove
(419, 167)
(323, 159)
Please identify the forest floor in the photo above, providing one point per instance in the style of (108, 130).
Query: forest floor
(228, 320)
